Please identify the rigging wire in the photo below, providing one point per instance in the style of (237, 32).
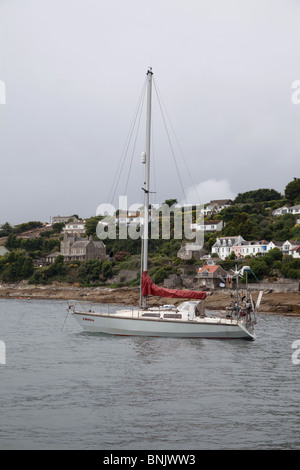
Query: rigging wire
(118, 173)
(168, 135)
(160, 100)
(134, 145)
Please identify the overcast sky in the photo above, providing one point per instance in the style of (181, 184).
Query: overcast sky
(74, 71)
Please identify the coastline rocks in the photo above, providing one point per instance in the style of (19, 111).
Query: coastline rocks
(286, 303)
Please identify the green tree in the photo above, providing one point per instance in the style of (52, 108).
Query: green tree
(258, 195)
(106, 269)
(15, 266)
(91, 225)
(292, 191)
(90, 271)
(240, 225)
(171, 202)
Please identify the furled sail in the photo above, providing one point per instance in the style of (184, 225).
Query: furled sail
(149, 288)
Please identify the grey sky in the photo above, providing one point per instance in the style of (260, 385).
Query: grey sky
(74, 71)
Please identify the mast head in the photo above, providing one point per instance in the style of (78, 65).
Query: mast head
(150, 71)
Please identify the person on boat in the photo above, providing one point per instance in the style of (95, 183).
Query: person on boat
(200, 310)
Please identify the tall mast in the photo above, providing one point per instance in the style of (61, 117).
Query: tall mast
(147, 178)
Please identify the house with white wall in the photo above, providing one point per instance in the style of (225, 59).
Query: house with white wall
(294, 210)
(77, 226)
(289, 245)
(295, 252)
(223, 245)
(216, 206)
(251, 248)
(209, 226)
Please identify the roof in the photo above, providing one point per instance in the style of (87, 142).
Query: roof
(212, 222)
(210, 268)
(53, 255)
(99, 244)
(80, 244)
(296, 248)
(3, 250)
(221, 202)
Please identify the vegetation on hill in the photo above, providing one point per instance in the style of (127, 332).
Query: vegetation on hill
(250, 216)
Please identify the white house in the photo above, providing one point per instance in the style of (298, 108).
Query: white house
(217, 205)
(280, 211)
(250, 248)
(209, 226)
(129, 218)
(223, 245)
(294, 210)
(295, 252)
(78, 226)
(289, 245)
(273, 244)
(60, 218)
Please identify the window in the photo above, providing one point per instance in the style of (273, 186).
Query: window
(173, 315)
(153, 315)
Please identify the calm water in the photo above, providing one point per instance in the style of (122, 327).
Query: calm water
(66, 389)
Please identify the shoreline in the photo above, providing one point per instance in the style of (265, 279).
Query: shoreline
(284, 303)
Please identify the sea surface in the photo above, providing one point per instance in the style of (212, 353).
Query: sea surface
(61, 388)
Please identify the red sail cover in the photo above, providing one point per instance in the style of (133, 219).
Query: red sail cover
(149, 288)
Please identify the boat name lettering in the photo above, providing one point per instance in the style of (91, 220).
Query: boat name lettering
(87, 319)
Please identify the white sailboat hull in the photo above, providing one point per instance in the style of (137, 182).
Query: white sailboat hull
(114, 324)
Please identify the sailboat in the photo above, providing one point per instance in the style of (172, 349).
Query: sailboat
(188, 319)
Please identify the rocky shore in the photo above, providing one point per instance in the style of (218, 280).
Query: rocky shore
(285, 303)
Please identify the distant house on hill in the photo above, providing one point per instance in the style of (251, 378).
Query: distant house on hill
(73, 248)
(289, 245)
(217, 205)
(77, 226)
(250, 248)
(223, 245)
(209, 226)
(294, 210)
(295, 252)
(60, 218)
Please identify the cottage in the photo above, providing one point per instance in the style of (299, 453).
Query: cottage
(212, 276)
(49, 259)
